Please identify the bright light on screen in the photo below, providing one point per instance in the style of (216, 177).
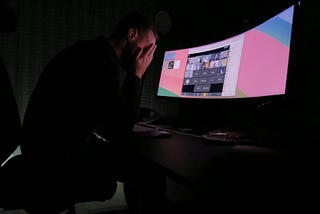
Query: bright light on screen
(251, 64)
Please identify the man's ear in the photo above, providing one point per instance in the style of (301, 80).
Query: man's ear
(132, 34)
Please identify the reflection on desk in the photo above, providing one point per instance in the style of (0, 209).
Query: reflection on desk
(226, 170)
(157, 132)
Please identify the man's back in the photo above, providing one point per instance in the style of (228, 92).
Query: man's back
(78, 89)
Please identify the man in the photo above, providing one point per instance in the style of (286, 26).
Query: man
(81, 113)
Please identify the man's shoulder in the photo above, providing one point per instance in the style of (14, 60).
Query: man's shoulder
(85, 48)
(86, 43)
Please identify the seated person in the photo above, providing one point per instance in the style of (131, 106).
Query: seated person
(79, 120)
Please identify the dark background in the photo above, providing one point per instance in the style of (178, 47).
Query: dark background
(46, 26)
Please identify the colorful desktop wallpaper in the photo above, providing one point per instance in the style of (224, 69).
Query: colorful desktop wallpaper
(255, 64)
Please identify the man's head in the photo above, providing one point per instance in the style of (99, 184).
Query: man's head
(133, 20)
(135, 33)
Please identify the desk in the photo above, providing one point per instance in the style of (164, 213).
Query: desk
(220, 170)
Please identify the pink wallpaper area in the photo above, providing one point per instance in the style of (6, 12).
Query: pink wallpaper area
(261, 65)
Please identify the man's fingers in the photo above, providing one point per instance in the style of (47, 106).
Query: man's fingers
(152, 49)
(138, 53)
(149, 50)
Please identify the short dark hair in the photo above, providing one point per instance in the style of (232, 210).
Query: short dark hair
(134, 19)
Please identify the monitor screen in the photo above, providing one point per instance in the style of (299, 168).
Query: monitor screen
(250, 64)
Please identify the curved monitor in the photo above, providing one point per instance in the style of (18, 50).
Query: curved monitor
(250, 64)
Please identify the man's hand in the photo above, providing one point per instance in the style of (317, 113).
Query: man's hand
(143, 59)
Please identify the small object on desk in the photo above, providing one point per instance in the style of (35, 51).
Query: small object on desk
(227, 136)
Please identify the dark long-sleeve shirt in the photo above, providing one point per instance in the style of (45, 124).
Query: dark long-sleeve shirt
(83, 87)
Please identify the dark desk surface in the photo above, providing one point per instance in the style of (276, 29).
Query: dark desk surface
(237, 176)
(190, 161)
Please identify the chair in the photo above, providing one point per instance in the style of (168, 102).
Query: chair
(22, 190)
(10, 137)
(9, 114)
